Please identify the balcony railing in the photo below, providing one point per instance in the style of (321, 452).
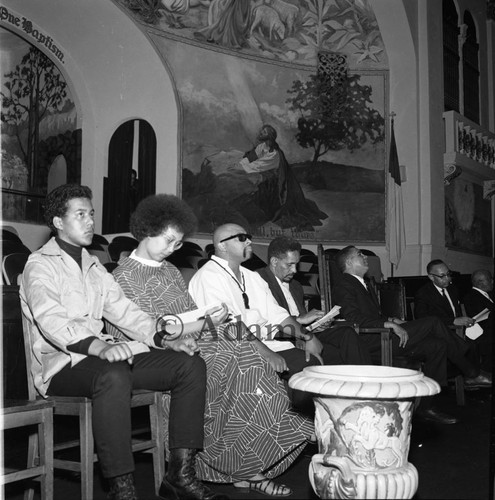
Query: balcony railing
(468, 145)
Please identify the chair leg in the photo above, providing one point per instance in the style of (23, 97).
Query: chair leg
(32, 458)
(87, 451)
(158, 436)
(46, 451)
(459, 390)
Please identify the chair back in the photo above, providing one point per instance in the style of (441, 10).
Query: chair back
(28, 351)
(392, 298)
(13, 266)
(14, 246)
(121, 246)
(324, 279)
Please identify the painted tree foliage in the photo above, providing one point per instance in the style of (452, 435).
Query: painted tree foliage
(33, 88)
(334, 114)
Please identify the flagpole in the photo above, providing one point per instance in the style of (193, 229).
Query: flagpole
(395, 230)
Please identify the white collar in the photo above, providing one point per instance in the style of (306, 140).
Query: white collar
(146, 262)
(361, 280)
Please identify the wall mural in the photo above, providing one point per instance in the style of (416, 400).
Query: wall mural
(318, 174)
(468, 225)
(41, 147)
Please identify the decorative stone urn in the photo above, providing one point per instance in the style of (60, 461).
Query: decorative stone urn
(363, 426)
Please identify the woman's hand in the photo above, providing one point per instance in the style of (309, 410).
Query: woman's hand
(218, 315)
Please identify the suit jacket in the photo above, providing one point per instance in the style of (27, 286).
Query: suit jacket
(357, 304)
(295, 289)
(475, 302)
(429, 302)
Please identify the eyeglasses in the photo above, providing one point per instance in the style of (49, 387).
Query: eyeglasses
(441, 276)
(242, 237)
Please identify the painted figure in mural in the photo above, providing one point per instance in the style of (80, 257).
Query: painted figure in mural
(242, 387)
(228, 23)
(277, 191)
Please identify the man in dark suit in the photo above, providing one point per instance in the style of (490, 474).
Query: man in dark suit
(441, 299)
(481, 297)
(341, 345)
(426, 338)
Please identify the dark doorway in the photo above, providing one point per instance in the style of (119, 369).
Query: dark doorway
(132, 147)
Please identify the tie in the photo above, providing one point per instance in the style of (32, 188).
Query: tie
(447, 301)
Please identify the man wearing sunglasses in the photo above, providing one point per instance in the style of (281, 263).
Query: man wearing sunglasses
(223, 279)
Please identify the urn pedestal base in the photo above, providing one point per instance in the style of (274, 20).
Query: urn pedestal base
(363, 424)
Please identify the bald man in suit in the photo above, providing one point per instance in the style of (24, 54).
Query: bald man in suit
(440, 298)
(481, 297)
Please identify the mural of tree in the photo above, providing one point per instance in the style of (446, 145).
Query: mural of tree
(33, 88)
(334, 115)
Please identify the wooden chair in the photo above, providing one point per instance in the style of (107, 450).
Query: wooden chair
(19, 413)
(81, 408)
(325, 262)
(13, 266)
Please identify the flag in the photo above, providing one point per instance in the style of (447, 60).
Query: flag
(395, 229)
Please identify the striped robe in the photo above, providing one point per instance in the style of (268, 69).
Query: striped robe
(250, 427)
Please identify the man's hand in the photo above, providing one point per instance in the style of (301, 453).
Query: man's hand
(116, 352)
(464, 321)
(276, 361)
(399, 331)
(187, 345)
(314, 347)
(310, 317)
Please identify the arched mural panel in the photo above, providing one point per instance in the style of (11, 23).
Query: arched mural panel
(39, 123)
(331, 188)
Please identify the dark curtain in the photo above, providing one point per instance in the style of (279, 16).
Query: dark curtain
(116, 187)
(146, 160)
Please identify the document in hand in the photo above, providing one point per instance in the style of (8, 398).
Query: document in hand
(324, 319)
(475, 331)
(481, 316)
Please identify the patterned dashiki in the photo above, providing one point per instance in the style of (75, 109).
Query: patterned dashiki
(250, 427)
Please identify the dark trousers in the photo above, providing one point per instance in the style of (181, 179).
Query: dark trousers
(109, 385)
(426, 342)
(343, 346)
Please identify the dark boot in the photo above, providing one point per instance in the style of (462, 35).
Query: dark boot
(122, 488)
(181, 483)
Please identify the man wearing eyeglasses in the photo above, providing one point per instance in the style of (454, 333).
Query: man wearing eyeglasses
(247, 296)
(440, 298)
(427, 338)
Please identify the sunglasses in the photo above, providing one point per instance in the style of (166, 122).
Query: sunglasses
(242, 237)
(441, 276)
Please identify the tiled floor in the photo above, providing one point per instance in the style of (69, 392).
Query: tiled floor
(452, 460)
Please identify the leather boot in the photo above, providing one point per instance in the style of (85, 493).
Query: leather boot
(122, 488)
(181, 483)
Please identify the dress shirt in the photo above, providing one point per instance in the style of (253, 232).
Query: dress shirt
(293, 309)
(211, 285)
(445, 293)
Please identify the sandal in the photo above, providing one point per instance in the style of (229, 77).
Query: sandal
(265, 486)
